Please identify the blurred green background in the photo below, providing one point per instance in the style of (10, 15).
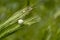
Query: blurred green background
(48, 28)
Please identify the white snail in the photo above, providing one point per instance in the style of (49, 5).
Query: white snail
(20, 21)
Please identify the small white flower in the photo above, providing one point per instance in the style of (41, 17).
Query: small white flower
(20, 21)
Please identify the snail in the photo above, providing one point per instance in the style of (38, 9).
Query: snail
(20, 21)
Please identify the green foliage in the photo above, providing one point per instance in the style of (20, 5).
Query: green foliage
(41, 19)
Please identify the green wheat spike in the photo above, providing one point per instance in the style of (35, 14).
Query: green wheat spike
(28, 21)
(19, 14)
